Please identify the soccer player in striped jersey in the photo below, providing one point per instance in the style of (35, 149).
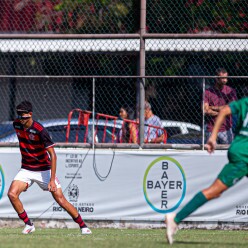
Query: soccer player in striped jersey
(38, 165)
(232, 172)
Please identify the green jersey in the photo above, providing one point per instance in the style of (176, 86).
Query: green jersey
(239, 147)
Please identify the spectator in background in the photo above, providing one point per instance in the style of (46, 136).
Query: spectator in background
(215, 99)
(129, 130)
(152, 135)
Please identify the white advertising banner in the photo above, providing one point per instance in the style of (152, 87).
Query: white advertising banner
(127, 185)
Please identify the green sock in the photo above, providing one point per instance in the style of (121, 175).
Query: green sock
(198, 200)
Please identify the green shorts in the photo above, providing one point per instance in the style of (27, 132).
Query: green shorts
(233, 172)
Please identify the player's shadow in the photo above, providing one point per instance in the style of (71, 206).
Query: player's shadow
(191, 243)
(222, 244)
(184, 243)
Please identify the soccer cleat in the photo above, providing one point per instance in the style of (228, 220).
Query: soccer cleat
(28, 229)
(85, 231)
(171, 226)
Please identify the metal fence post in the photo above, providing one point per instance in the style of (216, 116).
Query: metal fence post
(142, 70)
(93, 113)
(203, 114)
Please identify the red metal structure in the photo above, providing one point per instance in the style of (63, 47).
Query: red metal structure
(107, 118)
(83, 120)
(157, 128)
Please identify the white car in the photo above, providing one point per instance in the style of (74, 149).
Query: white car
(105, 132)
(182, 132)
(178, 127)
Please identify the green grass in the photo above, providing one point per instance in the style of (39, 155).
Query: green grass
(117, 238)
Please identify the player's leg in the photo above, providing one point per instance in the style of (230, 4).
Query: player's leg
(215, 190)
(16, 188)
(172, 219)
(201, 198)
(42, 178)
(71, 210)
(230, 175)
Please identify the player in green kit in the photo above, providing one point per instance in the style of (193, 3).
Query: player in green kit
(232, 172)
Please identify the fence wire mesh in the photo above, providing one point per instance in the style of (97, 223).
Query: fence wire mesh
(195, 16)
(177, 99)
(119, 16)
(177, 102)
(68, 16)
(195, 57)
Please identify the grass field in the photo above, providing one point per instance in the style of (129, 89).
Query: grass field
(117, 238)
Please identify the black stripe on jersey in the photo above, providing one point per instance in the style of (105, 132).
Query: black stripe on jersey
(32, 151)
(33, 142)
(40, 168)
(34, 163)
(38, 159)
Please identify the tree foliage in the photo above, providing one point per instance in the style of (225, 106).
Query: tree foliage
(195, 16)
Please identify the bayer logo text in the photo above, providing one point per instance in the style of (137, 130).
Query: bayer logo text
(164, 184)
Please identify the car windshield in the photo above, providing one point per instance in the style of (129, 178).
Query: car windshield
(193, 137)
(6, 129)
(82, 135)
(57, 128)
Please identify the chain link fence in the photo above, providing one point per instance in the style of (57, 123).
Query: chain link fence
(69, 16)
(195, 16)
(61, 73)
(119, 16)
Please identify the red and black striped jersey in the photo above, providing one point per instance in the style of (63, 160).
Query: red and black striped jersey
(33, 143)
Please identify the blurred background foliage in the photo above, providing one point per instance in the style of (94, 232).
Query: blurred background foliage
(122, 16)
(195, 16)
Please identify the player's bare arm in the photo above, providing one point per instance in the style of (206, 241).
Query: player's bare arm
(52, 186)
(211, 144)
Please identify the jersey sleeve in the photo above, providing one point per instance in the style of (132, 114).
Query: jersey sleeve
(46, 138)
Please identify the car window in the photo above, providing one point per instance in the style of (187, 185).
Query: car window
(191, 130)
(172, 131)
(108, 136)
(6, 129)
(189, 138)
(58, 133)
